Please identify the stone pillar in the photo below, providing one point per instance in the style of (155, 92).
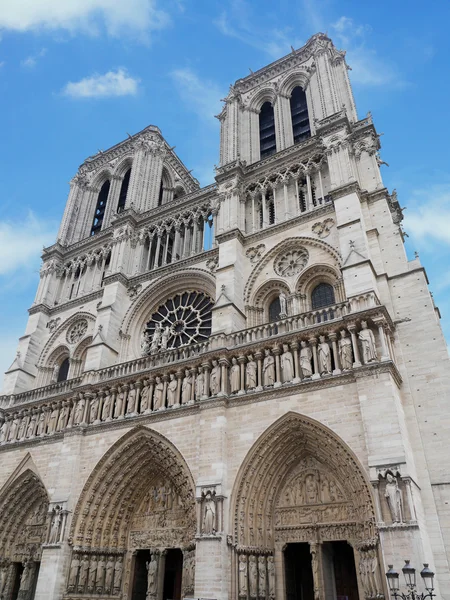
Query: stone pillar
(242, 362)
(51, 579)
(206, 370)
(337, 368)
(313, 344)
(258, 356)
(224, 364)
(352, 329)
(276, 353)
(297, 370)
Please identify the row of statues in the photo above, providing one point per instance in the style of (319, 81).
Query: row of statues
(95, 574)
(256, 576)
(156, 342)
(264, 369)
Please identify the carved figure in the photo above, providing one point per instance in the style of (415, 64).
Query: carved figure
(119, 403)
(305, 360)
(131, 400)
(393, 496)
(243, 588)
(199, 384)
(164, 338)
(13, 429)
(3, 431)
(25, 578)
(109, 574)
(52, 422)
(30, 428)
(311, 489)
(106, 407)
(283, 304)
(55, 373)
(186, 387)
(172, 390)
(235, 376)
(152, 570)
(79, 411)
(92, 573)
(262, 579)
(93, 409)
(372, 571)
(145, 343)
(369, 350)
(100, 573)
(214, 380)
(189, 577)
(287, 364)
(73, 575)
(3, 577)
(145, 400)
(84, 572)
(271, 576)
(253, 576)
(345, 351)
(250, 372)
(158, 394)
(156, 339)
(55, 526)
(324, 355)
(209, 513)
(315, 570)
(21, 431)
(62, 418)
(118, 569)
(41, 424)
(268, 369)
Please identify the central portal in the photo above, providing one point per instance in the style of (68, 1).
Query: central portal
(299, 577)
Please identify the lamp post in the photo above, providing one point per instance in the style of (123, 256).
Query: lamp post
(409, 573)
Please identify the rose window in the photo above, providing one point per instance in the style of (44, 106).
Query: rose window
(183, 319)
(76, 332)
(291, 263)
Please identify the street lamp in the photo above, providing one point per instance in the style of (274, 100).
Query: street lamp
(409, 573)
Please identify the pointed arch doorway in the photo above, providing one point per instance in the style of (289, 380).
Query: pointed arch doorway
(303, 518)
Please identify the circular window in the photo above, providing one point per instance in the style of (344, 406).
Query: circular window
(181, 320)
(77, 331)
(291, 263)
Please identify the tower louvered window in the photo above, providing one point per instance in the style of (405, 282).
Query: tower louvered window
(100, 208)
(299, 115)
(124, 191)
(267, 141)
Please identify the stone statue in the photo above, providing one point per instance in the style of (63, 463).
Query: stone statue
(55, 527)
(119, 403)
(324, 356)
(283, 305)
(21, 431)
(131, 400)
(369, 350)
(62, 418)
(172, 390)
(315, 570)
(100, 574)
(156, 339)
(79, 411)
(93, 409)
(73, 575)
(243, 588)
(109, 574)
(214, 380)
(253, 576)
(3, 431)
(393, 496)
(311, 489)
(152, 572)
(164, 338)
(158, 394)
(268, 369)
(372, 571)
(145, 397)
(55, 373)
(92, 573)
(209, 514)
(41, 424)
(235, 376)
(106, 407)
(13, 428)
(145, 343)
(189, 577)
(186, 387)
(3, 577)
(118, 570)
(251, 373)
(51, 427)
(345, 351)
(30, 428)
(84, 572)
(305, 360)
(25, 578)
(262, 579)
(271, 576)
(287, 365)
(199, 384)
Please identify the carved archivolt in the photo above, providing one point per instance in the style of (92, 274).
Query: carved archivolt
(60, 333)
(117, 488)
(300, 473)
(23, 514)
(320, 273)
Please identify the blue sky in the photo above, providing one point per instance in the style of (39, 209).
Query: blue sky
(76, 76)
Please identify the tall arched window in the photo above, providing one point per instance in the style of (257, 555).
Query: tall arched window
(63, 370)
(100, 208)
(299, 115)
(267, 141)
(274, 310)
(124, 191)
(322, 295)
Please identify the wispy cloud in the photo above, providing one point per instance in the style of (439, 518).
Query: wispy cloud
(428, 216)
(21, 243)
(88, 16)
(31, 61)
(113, 83)
(201, 95)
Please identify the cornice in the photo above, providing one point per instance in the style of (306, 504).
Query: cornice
(116, 278)
(333, 123)
(84, 245)
(67, 305)
(345, 190)
(305, 150)
(40, 308)
(231, 235)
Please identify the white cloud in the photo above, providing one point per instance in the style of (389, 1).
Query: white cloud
(113, 83)
(31, 61)
(202, 96)
(428, 216)
(82, 15)
(21, 243)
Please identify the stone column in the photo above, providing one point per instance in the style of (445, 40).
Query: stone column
(258, 356)
(313, 344)
(352, 329)
(206, 370)
(276, 353)
(380, 322)
(316, 564)
(264, 208)
(179, 375)
(337, 368)
(224, 364)
(242, 362)
(297, 370)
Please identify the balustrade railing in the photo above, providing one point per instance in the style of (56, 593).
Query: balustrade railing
(172, 380)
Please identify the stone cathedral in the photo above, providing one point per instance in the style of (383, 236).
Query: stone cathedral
(235, 392)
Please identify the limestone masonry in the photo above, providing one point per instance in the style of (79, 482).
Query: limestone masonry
(237, 392)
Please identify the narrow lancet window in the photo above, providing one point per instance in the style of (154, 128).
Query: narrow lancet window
(63, 371)
(100, 208)
(299, 115)
(267, 140)
(124, 191)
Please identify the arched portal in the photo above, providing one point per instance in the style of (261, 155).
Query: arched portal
(23, 531)
(301, 499)
(136, 509)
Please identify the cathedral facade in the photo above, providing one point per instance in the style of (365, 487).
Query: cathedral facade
(238, 392)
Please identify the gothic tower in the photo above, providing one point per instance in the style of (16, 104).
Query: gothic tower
(237, 391)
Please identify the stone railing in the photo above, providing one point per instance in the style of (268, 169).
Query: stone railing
(323, 351)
